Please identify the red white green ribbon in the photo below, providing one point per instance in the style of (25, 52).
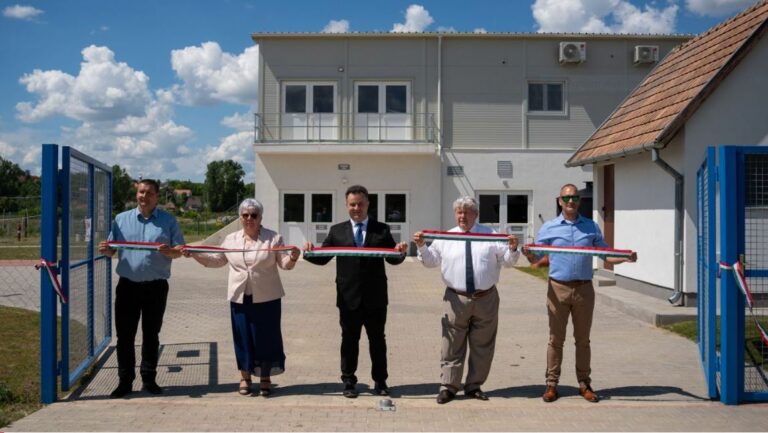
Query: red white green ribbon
(353, 252)
(214, 250)
(462, 236)
(585, 251)
(135, 246)
(741, 281)
(48, 266)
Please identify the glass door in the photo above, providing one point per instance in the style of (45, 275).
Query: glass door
(307, 216)
(309, 112)
(507, 212)
(393, 211)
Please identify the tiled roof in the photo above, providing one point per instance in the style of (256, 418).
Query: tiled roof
(654, 112)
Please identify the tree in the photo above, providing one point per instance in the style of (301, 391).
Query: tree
(123, 189)
(224, 184)
(18, 189)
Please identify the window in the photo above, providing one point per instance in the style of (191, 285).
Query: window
(373, 207)
(517, 208)
(546, 97)
(309, 97)
(293, 208)
(296, 99)
(385, 98)
(395, 208)
(368, 99)
(489, 208)
(322, 208)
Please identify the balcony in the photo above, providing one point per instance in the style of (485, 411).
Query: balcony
(364, 133)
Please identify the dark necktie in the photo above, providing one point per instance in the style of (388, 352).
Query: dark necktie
(469, 269)
(359, 235)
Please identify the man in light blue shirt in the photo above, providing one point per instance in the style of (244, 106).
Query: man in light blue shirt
(570, 291)
(142, 290)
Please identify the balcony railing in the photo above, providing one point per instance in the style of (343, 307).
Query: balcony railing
(278, 128)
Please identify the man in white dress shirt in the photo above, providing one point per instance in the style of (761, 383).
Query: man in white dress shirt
(470, 271)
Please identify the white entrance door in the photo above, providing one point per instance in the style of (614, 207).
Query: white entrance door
(508, 212)
(306, 216)
(391, 208)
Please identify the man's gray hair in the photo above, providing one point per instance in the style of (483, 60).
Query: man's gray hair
(251, 203)
(465, 202)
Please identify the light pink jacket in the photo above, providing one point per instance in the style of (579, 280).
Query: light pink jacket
(254, 271)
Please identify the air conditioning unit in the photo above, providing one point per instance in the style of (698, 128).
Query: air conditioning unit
(646, 54)
(573, 52)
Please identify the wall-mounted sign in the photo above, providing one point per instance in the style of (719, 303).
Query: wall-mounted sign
(343, 166)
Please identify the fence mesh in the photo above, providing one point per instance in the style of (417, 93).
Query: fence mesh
(756, 264)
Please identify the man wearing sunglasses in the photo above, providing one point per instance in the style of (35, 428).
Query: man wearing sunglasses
(570, 291)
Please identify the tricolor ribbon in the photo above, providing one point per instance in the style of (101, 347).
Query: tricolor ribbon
(741, 281)
(585, 251)
(461, 236)
(353, 252)
(214, 250)
(48, 266)
(135, 246)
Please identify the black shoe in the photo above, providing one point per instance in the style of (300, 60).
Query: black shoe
(349, 390)
(381, 388)
(152, 388)
(476, 393)
(445, 396)
(123, 389)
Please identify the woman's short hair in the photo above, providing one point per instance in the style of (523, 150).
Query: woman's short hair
(465, 202)
(251, 203)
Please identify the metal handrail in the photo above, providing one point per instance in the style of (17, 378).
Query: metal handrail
(345, 127)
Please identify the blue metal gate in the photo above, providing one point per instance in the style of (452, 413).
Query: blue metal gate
(81, 191)
(736, 366)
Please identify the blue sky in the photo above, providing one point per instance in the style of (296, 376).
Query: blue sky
(164, 87)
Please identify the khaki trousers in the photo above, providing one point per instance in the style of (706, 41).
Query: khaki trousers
(578, 301)
(473, 321)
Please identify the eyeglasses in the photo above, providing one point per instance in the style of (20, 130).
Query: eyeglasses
(570, 198)
(253, 216)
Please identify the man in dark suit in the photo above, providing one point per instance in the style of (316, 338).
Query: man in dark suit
(361, 289)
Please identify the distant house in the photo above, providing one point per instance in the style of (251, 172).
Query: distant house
(194, 203)
(170, 207)
(181, 192)
(709, 91)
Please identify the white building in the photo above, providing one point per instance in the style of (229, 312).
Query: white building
(710, 91)
(422, 118)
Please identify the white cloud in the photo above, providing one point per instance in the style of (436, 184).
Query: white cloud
(20, 12)
(480, 30)
(6, 150)
(237, 147)
(239, 121)
(417, 19)
(449, 29)
(717, 8)
(212, 76)
(104, 90)
(603, 16)
(340, 26)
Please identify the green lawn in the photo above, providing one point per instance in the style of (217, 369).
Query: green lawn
(19, 363)
(542, 272)
(755, 348)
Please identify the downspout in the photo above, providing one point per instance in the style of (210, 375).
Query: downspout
(439, 134)
(677, 294)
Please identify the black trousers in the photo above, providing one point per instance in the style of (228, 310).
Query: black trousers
(134, 301)
(352, 323)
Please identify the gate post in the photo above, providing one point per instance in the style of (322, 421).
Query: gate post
(48, 302)
(731, 301)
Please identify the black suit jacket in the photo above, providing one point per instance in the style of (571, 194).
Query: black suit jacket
(360, 280)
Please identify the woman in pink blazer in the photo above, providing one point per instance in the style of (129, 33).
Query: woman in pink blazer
(254, 292)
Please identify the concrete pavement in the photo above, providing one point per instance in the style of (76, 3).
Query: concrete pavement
(649, 379)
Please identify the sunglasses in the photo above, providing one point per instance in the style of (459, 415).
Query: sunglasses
(570, 198)
(253, 216)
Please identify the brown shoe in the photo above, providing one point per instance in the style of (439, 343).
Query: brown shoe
(588, 394)
(550, 394)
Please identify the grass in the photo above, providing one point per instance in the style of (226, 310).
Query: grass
(542, 272)
(19, 363)
(755, 348)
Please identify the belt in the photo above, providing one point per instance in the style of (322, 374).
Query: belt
(477, 295)
(572, 282)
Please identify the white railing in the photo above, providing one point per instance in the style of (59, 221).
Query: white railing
(345, 127)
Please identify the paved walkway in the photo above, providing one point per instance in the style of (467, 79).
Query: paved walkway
(648, 378)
